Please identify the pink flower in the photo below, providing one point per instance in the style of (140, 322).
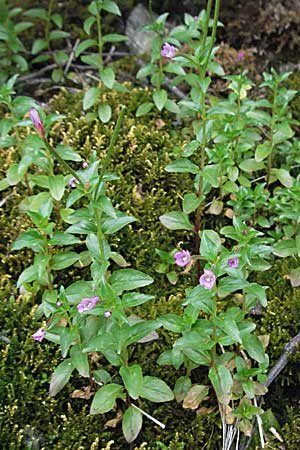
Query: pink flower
(107, 314)
(87, 304)
(85, 164)
(72, 182)
(195, 18)
(233, 262)
(208, 279)
(39, 335)
(168, 51)
(182, 258)
(37, 123)
(241, 55)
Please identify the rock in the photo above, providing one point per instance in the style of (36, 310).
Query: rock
(138, 41)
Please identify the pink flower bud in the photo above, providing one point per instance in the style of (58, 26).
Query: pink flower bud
(37, 123)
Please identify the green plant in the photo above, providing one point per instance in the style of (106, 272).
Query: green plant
(106, 74)
(12, 49)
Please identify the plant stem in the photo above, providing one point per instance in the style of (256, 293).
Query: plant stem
(213, 34)
(206, 25)
(109, 151)
(202, 73)
(100, 43)
(269, 164)
(47, 27)
(62, 161)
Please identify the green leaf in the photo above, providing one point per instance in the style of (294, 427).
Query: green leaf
(40, 13)
(229, 326)
(254, 347)
(260, 117)
(90, 97)
(172, 107)
(129, 279)
(176, 68)
(172, 322)
(250, 165)
(111, 7)
(227, 285)
(282, 133)
(283, 176)
(176, 220)
(156, 390)
(80, 360)
(111, 226)
(30, 239)
(57, 20)
(108, 77)
(135, 299)
(182, 387)
(29, 274)
(61, 238)
(210, 245)
(105, 398)
(133, 379)
(222, 382)
(12, 175)
(262, 151)
(62, 260)
(56, 186)
(104, 112)
(148, 69)
(60, 377)
(191, 203)
(200, 298)
(183, 165)
(284, 248)
(38, 46)
(58, 34)
(4, 184)
(87, 43)
(87, 25)
(143, 109)
(132, 423)
(160, 98)
(114, 38)
(66, 152)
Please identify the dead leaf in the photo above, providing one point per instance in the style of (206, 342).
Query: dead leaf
(86, 393)
(260, 389)
(246, 427)
(112, 423)
(295, 277)
(229, 213)
(265, 340)
(203, 411)
(195, 395)
(215, 207)
(229, 418)
(160, 123)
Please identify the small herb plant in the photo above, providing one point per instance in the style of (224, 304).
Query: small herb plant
(12, 50)
(106, 75)
(41, 47)
(94, 314)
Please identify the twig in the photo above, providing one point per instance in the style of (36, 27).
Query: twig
(71, 57)
(290, 349)
(260, 427)
(110, 54)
